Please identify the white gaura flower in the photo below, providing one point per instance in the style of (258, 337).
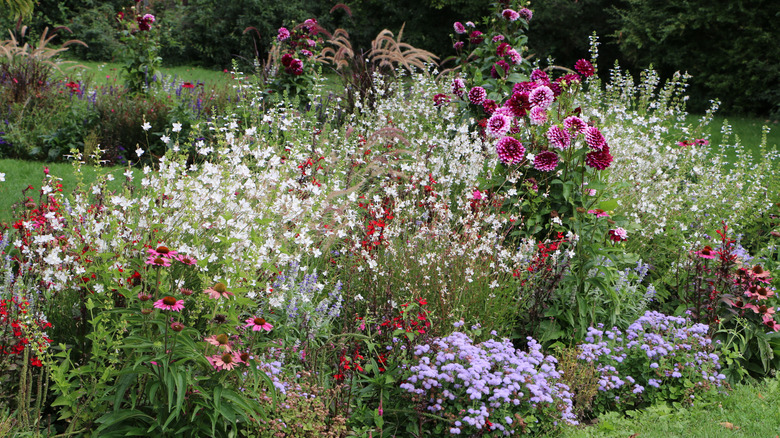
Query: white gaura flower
(176, 127)
(146, 126)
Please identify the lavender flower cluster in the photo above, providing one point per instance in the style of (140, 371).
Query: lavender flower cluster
(489, 386)
(659, 357)
(299, 296)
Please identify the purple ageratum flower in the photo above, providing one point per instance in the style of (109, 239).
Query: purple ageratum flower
(283, 34)
(498, 124)
(595, 138)
(584, 67)
(510, 150)
(541, 97)
(477, 95)
(558, 137)
(546, 161)
(510, 14)
(459, 28)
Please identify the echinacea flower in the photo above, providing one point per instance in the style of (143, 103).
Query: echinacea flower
(226, 361)
(162, 251)
(510, 150)
(257, 324)
(221, 341)
(758, 272)
(169, 303)
(158, 261)
(144, 297)
(187, 85)
(177, 326)
(706, 253)
(218, 291)
(546, 161)
(599, 212)
(185, 259)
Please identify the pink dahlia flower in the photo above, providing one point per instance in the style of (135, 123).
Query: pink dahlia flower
(510, 14)
(599, 160)
(510, 150)
(498, 124)
(575, 124)
(546, 161)
(558, 137)
(526, 14)
(618, 234)
(283, 34)
(594, 138)
(538, 115)
(459, 28)
(458, 87)
(584, 67)
(541, 97)
(477, 95)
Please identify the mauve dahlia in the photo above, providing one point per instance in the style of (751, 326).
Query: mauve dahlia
(541, 97)
(584, 67)
(502, 49)
(539, 75)
(546, 161)
(599, 160)
(501, 64)
(489, 105)
(283, 34)
(477, 95)
(498, 124)
(538, 115)
(575, 124)
(526, 14)
(514, 56)
(458, 45)
(556, 88)
(459, 28)
(594, 138)
(518, 104)
(458, 86)
(521, 87)
(510, 150)
(476, 37)
(558, 137)
(498, 38)
(510, 14)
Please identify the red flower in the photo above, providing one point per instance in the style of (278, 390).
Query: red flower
(187, 85)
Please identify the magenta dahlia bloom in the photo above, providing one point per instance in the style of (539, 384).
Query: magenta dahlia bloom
(558, 137)
(526, 14)
(440, 99)
(599, 160)
(476, 37)
(489, 105)
(458, 46)
(502, 49)
(498, 38)
(514, 56)
(458, 87)
(518, 104)
(541, 97)
(498, 124)
(618, 234)
(584, 67)
(169, 303)
(283, 34)
(546, 161)
(459, 28)
(523, 87)
(575, 125)
(501, 64)
(510, 14)
(569, 78)
(539, 75)
(594, 138)
(510, 150)
(538, 115)
(477, 95)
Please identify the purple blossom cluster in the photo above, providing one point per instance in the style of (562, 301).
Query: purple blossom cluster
(304, 297)
(654, 359)
(489, 386)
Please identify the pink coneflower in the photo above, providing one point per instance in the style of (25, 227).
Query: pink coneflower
(618, 234)
(541, 97)
(144, 297)
(477, 95)
(186, 292)
(177, 326)
(584, 67)
(771, 324)
(594, 138)
(218, 291)
(458, 87)
(599, 160)
(221, 341)
(169, 303)
(257, 324)
(510, 14)
(758, 272)
(226, 361)
(459, 28)
(283, 34)
(158, 261)
(706, 253)
(526, 14)
(510, 150)
(187, 260)
(599, 212)
(701, 142)
(575, 124)
(539, 76)
(546, 161)
(538, 115)
(498, 124)
(558, 137)
(162, 251)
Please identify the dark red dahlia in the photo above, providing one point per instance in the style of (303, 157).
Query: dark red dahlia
(584, 67)
(599, 160)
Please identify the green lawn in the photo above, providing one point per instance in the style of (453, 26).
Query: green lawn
(21, 174)
(745, 129)
(110, 73)
(746, 411)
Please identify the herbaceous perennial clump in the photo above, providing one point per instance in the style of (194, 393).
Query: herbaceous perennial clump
(659, 357)
(489, 386)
